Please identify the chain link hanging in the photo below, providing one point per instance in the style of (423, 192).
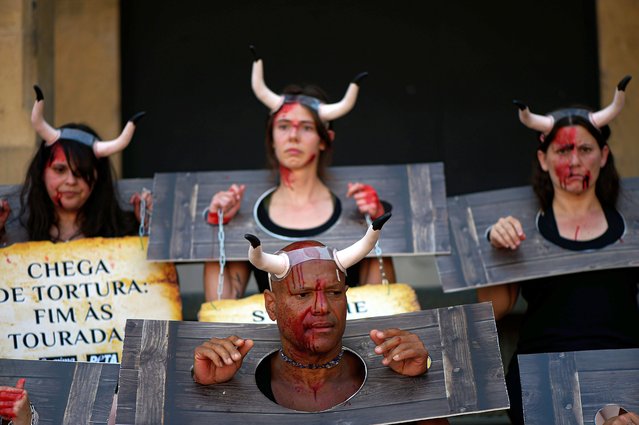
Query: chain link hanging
(378, 254)
(142, 230)
(220, 238)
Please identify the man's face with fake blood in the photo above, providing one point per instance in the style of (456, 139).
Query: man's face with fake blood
(295, 138)
(573, 160)
(309, 306)
(66, 190)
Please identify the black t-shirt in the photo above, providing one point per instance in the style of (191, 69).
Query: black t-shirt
(261, 277)
(581, 311)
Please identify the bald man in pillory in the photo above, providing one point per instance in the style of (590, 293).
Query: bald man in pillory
(312, 371)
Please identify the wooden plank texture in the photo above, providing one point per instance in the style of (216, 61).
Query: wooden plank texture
(16, 233)
(569, 388)
(416, 192)
(65, 392)
(474, 262)
(385, 397)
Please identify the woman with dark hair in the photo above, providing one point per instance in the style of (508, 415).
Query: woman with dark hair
(577, 186)
(299, 143)
(69, 191)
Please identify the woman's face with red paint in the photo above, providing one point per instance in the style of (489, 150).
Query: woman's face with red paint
(295, 138)
(573, 160)
(66, 190)
(310, 307)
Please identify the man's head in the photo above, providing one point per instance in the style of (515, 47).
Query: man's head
(309, 303)
(308, 289)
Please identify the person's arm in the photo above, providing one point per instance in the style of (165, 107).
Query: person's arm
(503, 298)
(370, 274)
(236, 276)
(5, 210)
(403, 351)
(218, 359)
(236, 273)
(136, 200)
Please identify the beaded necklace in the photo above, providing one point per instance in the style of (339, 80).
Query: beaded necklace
(326, 365)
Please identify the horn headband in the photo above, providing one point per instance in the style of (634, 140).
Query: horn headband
(326, 112)
(545, 123)
(100, 148)
(279, 265)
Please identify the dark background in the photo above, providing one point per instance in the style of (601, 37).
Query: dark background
(442, 78)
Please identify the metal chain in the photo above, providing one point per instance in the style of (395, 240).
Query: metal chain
(220, 238)
(142, 230)
(378, 253)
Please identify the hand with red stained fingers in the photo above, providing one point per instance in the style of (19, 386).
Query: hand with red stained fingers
(5, 210)
(623, 419)
(228, 201)
(217, 360)
(14, 403)
(136, 201)
(507, 233)
(366, 198)
(403, 351)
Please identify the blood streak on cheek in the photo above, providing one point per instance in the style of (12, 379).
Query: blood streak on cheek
(586, 182)
(311, 159)
(563, 173)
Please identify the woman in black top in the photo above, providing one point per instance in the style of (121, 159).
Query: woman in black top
(299, 141)
(577, 186)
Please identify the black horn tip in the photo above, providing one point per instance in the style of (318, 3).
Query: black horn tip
(624, 82)
(39, 95)
(521, 105)
(137, 117)
(253, 240)
(359, 77)
(256, 57)
(379, 221)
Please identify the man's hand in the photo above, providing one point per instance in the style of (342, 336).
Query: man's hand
(366, 198)
(228, 201)
(507, 233)
(217, 360)
(403, 351)
(624, 419)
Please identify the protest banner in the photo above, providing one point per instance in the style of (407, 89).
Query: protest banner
(70, 301)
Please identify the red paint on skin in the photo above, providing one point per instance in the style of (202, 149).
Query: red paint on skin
(57, 155)
(320, 297)
(286, 108)
(586, 182)
(316, 388)
(286, 176)
(576, 232)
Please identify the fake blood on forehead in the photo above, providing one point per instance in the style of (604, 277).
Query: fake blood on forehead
(566, 140)
(57, 155)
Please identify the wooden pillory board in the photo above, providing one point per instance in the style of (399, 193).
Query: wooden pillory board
(569, 388)
(417, 193)
(466, 375)
(16, 233)
(474, 262)
(65, 393)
